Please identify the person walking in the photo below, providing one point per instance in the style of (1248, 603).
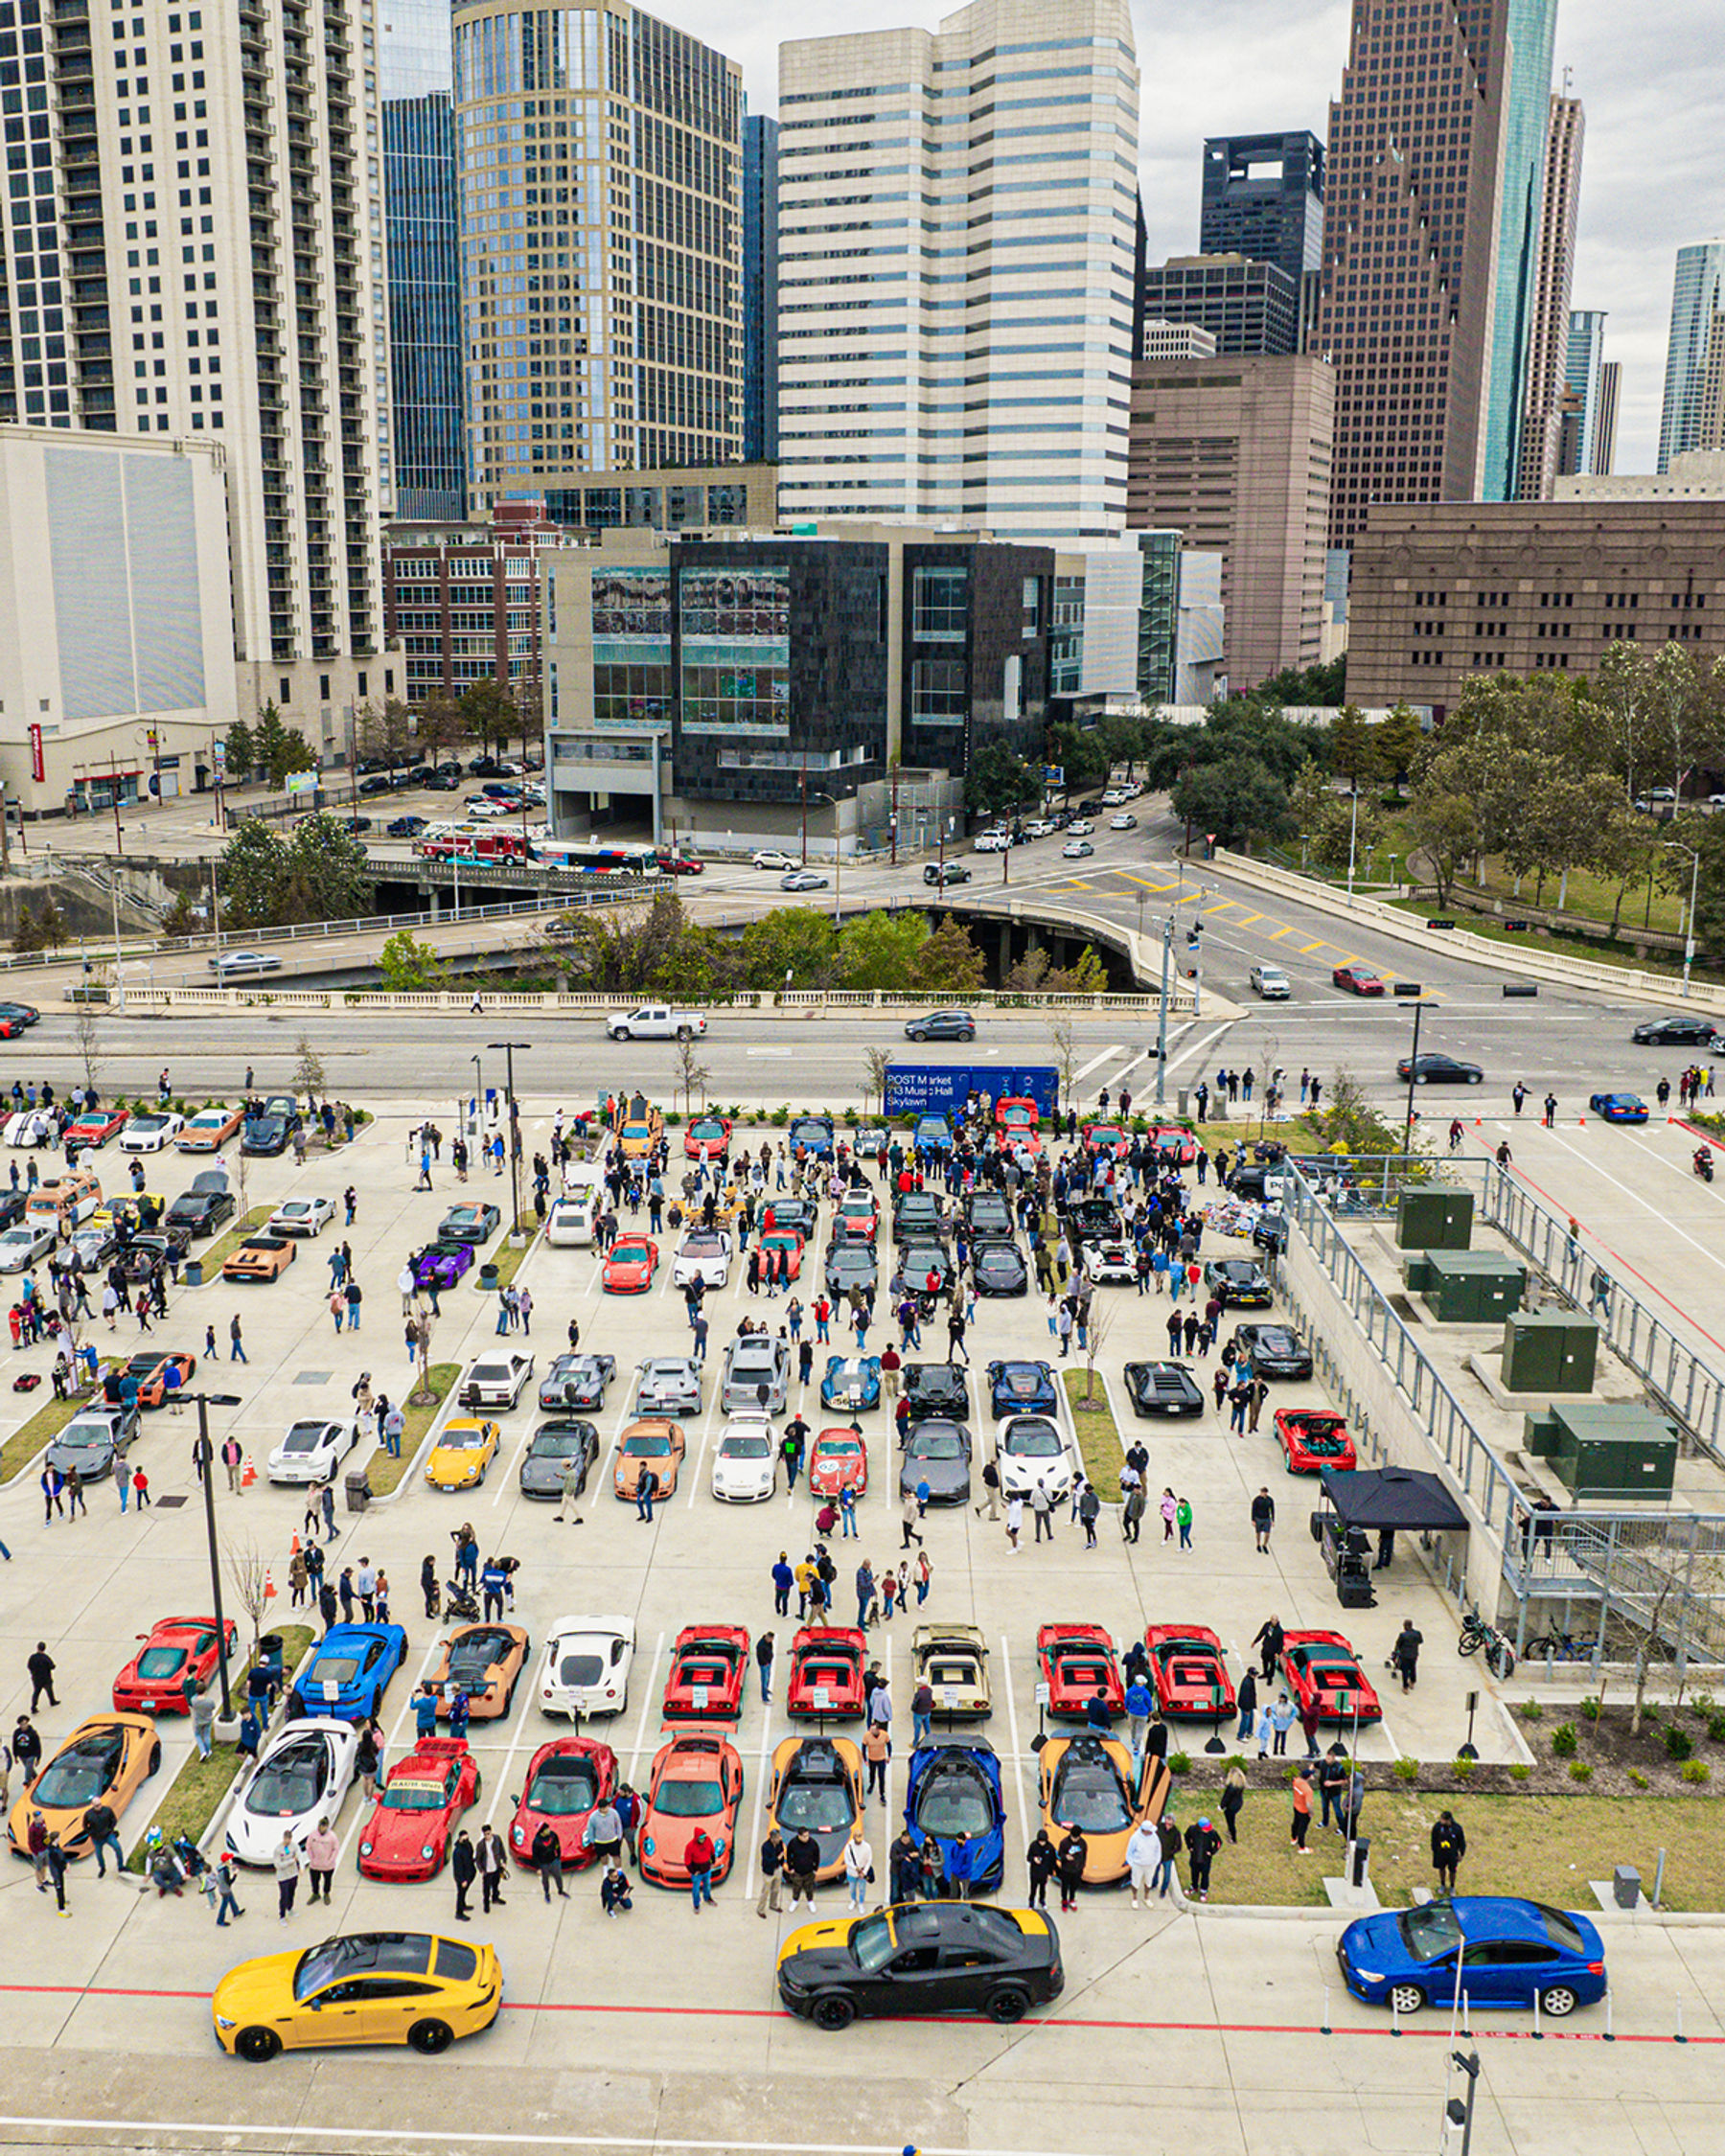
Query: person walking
(991, 1487)
(1143, 1853)
(102, 1829)
(1168, 1834)
(227, 1902)
(41, 1667)
(322, 1850)
(464, 1869)
(1202, 1845)
(1090, 1510)
(493, 1869)
(1268, 1639)
(773, 1865)
(1449, 1846)
(908, 1515)
(877, 1751)
(203, 1720)
(1300, 1820)
(1405, 1654)
(1233, 1799)
(1263, 1520)
(1014, 1522)
(286, 1865)
(1182, 1519)
(1070, 1857)
(237, 1340)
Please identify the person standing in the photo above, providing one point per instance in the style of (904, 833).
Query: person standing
(1449, 1846)
(1014, 1522)
(1267, 1639)
(492, 1870)
(203, 1720)
(226, 1900)
(237, 1340)
(1143, 1853)
(1071, 1858)
(322, 1848)
(1169, 1835)
(101, 1826)
(1233, 1800)
(286, 1865)
(1140, 1705)
(464, 1869)
(802, 1861)
(877, 1750)
(858, 1866)
(1406, 1654)
(772, 1865)
(1247, 1702)
(762, 1654)
(1042, 1506)
(1356, 1801)
(1043, 1861)
(1201, 1844)
(547, 1857)
(698, 1856)
(1263, 1522)
(1302, 1820)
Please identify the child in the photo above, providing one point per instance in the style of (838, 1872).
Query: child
(888, 1593)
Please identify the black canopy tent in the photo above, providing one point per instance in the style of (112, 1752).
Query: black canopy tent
(1392, 1497)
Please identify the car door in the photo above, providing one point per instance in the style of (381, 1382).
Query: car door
(389, 2004)
(1490, 1973)
(342, 2013)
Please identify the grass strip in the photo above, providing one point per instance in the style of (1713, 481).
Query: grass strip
(384, 1472)
(42, 1428)
(218, 1254)
(1098, 1434)
(190, 1802)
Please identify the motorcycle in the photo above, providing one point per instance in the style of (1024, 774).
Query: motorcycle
(1703, 1164)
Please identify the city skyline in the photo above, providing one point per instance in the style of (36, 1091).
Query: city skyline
(1238, 69)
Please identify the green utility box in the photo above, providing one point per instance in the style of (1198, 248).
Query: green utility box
(1414, 1272)
(1471, 1287)
(1434, 1220)
(1604, 1450)
(1548, 1352)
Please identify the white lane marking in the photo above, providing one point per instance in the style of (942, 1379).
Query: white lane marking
(758, 1829)
(649, 1704)
(1666, 1221)
(706, 1431)
(1096, 1062)
(1018, 1772)
(137, 2129)
(785, 1053)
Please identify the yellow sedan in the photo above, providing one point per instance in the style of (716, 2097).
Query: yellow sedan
(370, 1987)
(465, 1449)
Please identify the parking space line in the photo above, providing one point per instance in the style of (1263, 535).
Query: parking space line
(649, 1701)
(706, 1431)
(1306, 947)
(1276, 934)
(1012, 1721)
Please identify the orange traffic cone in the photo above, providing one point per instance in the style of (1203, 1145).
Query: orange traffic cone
(250, 1476)
(270, 1586)
(293, 1546)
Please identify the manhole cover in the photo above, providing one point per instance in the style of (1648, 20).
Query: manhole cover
(314, 1377)
(168, 1504)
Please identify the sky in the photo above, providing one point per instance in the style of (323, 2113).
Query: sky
(1653, 79)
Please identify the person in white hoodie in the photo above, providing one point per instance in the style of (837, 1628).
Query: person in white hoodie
(1143, 1853)
(859, 1866)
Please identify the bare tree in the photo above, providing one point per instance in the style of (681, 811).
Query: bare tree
(691, 1076)
(1097, 1327)
(308, 1070)
(86, 1031)
(250, 1578)
(1062, 1045)
(875, 1062)
(422, 1395)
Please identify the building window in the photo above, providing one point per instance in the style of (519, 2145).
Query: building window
(937, 685)
(940, 606)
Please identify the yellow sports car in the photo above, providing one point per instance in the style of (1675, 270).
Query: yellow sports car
(642, 1128)
(260, 1257)
(105, 1760)
(1089, 1782)
(370, 1987)
(463, 1451)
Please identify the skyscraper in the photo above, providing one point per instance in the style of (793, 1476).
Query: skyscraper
(956, 295)
(760, 287)
(1246, 306)
(1263, 199)
(1583, 370)
(1611, 382)
(1696, 345)
(601, 174)
(1547, 345)
(420, 209)
(192, 244)
(1428, 277)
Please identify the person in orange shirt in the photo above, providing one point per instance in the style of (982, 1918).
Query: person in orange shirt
(1302, 1813)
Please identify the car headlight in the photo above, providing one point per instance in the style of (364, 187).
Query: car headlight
(365, 1848)
(1370, 1976)
(648, 1844)
(222, 2021)
(427, 1852)
(520, 1837)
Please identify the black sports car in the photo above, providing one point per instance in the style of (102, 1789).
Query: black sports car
(577, 1381)
(264, 1137)
(1093, 1220)
(936, 1389)
(916, 1217)
(988, 1213)
(938, 1453)
(999, 1269)
(1237, 1284)
(200, 1212)
(471, 1224)
(1445, 1071)
(1163, 1388)
(922, 1958)
(554, 1444)
(916, 1262)
(1274, 1351)
(1674, 1033)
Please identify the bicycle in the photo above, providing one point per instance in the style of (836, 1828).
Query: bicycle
(1475, 1634)
(1560, 1646)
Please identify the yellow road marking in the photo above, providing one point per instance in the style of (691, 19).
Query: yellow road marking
(1310, 947)
(1249, 919)
(1222, 905)
(1278, 933)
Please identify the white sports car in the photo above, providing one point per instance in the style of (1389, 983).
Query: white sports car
(1031, 1450)
(301, 1216)
(30, 1126)
(586, 1665)
(703, 1254)
(746, 1465)
(1108, 1261)
(302, 1776)
(668, 1385)
(310, 1451)
(150, 1130)
(496, 1380)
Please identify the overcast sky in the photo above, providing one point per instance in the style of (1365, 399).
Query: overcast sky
(1651, 75)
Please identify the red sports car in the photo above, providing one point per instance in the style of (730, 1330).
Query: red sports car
(838, 1460)
(175, 1649)
(566, 1779)
(1314, 1439)
(1073, 1660)
(424, 1792)
(96, 1126)
(1015, 1124)
(1108, 1137)
(1361, 981)
(1189, 1672)
(826, 1673)
(707, 1138)
(697, 1781)
(1321, 1668)
(709, 1663)
(630, 1268)
(791, 1243)
(857, 1218)
(1172, 1143)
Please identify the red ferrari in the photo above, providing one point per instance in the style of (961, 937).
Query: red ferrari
(1073, 1660)
(630, 1268)
(1172, 1143)
(1322, 1669)
(838, 1460)
(1314, 1439)
(424, 1792)
(788, 1240)
(707, 1138)
(177, 1651)
(709, 1663)
(1189, 1672)
(857, 1218)
(1108, 1137)
(826, 1673)
(566, 1779)
(697, 1781)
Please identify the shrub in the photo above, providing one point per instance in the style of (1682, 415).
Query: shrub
(1406, 1770)
(1715, 1728)
(1462, 1768)
(1530, 1711)
(1591, 1709)
(1703, 1707)
(1520, 1771)
(1677, 1743)
(1697, 1771)
(780, 1117)
(1565, 1743)
(1637, 1780)
(1581, 1770)
(1179, 1763)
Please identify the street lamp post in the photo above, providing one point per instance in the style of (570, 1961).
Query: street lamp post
(478, 1097)
(1162, 1016)
(1353, 831)
(1413, 1079)
(206, 1456)
(1677, 846)
(509, 1048)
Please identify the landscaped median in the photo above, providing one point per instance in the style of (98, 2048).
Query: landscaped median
(190, 1804)
(382, 1471)
(1098, 1434)
(21, 1448)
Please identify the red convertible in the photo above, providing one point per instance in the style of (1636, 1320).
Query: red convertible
(94, 1126)
(566, 1779)
(424, 1792)
(1314, 1439)
(175, 1649)
(1015, 1125)
(1189, 1672)
(1075, 1660)
(826, 1673)
(709, 1663)
(838, 1460)
(1171, 1143)
(1322, 1671)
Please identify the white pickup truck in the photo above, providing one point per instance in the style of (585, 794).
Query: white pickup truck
(654, 1021)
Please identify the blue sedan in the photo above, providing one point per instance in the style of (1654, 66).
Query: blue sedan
(1021, 1388)
(955, 1789)
(1619, 1108)
(851, 1380)
(1507, 1952)
(349, 1672)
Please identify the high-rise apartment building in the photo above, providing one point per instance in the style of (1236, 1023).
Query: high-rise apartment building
(423, 255)
(760, 287)
(601, 173)
(1692, 417)
(1428, 264)
(1263, 199)
(1246, 306)
(1176, 340)
(1547, 344)
(192, 243)
(958, 220)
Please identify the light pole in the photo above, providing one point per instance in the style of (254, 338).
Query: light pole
(206, 1462)
(509, 1048)
(1353, 831)
(1677, 846)
(1413, 1078)
(478, 1097)
(1162, 1016)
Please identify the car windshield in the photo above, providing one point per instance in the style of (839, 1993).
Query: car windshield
(85, 1437)
(1088, 1794)
(404, 1952)
(1429, 1931)
(1033, 1440)
(818, 1806)
(161, 1662)
(706, 1128)
(563, 1788)
(413, 1797)
(871, 1943)
(580, 1666)
(704, 1245)
(955, 1798)
(462, 1441)
(690, 1800)
(560, 1444)
(474, 1653)
(630, 1253)
(648, 1448)
(935, 1444)
(832, 1445)
(304, 1437)
(80, 1775)
(291, 1784)
(745, 1448)
(334, 1669)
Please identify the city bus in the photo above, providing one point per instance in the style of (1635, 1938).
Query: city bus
(584, 858)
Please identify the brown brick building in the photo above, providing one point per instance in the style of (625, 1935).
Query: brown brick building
(1445, 591)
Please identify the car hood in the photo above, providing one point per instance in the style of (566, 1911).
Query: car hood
(542, 1474)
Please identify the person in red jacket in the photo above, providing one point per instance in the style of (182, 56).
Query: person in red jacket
(699, 1856)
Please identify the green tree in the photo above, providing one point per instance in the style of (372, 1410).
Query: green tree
(702, 966)
(950, 963)
(998, 780)
(1237, 800)
(1349, 1119)
(280, 749)
(1353, 748)
(1399, 738)
(241, 751)
(27, 935)
(1122, 740)
(409, 967)
(1444, 829)
(385, 731)
(1081, 753)
(327, 879)
(795, 939)
(250, 875)
(488, 712)
(179, 920)
(882, 951)
(1320, 687)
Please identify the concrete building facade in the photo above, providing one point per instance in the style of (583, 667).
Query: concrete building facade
(1695, 475)
(1444, 594)
(1236, 456)
(1176, 340)
(1549, 340)
(958, 224)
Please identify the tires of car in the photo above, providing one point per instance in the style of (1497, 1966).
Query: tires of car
(1558, 2000)
(1009, 2002)
(1475, 1077)
(833, 2011)
(155, 1757)
(429, 2037)
(1419, 1077)
(258, 2044)
(1406, 1998)
(969, 1033)
(919, 1033)
(685, 1033)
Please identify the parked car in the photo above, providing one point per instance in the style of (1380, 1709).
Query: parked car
(988, 1960)
(1505, 1951)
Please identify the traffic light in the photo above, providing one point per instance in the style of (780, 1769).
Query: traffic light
(1194, 936)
